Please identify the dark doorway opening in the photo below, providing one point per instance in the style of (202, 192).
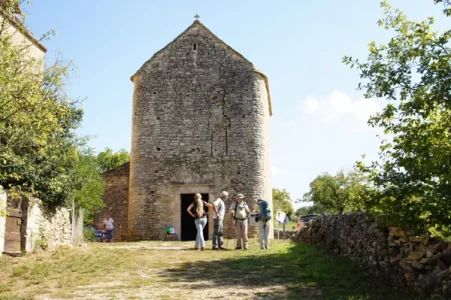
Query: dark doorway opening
(188, 229)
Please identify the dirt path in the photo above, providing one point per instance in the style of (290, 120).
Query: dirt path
(171, 270)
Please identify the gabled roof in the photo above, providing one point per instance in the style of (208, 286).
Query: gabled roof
(197, 23)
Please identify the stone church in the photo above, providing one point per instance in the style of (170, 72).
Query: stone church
(200, 125)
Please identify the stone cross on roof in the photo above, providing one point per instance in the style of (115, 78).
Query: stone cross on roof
(196, 17)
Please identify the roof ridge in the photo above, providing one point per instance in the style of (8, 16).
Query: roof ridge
(197, 22)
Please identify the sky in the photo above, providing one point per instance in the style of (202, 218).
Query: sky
(319, 118)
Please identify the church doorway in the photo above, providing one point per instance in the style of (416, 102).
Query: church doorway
(188, 229)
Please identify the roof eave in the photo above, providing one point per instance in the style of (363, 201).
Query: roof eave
(25, 31)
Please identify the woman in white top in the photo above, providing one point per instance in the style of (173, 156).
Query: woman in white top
(108, 227)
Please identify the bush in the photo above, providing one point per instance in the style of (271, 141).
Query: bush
(88, 235)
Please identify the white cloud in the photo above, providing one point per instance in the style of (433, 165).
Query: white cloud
(311, 105)
(340, 107)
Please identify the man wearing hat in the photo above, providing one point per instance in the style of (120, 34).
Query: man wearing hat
(240, 212)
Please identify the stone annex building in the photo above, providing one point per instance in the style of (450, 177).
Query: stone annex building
(200, 124)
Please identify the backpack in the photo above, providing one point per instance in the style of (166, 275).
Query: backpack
(265, 212)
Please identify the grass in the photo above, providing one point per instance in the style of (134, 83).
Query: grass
(171, 270)
(288, 227)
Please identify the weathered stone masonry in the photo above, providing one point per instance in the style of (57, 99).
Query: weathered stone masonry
(200, 114)
(420, 262)
(115, 199)
(200, 124)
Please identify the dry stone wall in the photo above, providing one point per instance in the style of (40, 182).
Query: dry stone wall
(39, 227)
(419, 262)
(44, 229)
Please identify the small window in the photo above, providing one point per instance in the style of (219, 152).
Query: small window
(194, 46)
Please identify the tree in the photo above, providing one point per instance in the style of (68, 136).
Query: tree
(281, 201)
(38, 145)
(87, 184)
(336, 194)
(305, 210)
(413, 71)
(109, 160)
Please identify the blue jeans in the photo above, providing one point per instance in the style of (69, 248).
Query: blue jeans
(200, 224)
(263, 233)
(109, 235)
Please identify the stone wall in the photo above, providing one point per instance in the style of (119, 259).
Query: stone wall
(43, 229)
(406, 260)
(39, 228)
(200, 124)
(115, 200)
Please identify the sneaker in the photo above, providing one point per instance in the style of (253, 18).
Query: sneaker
(222, 248)
(238, 248)
(267, 247)
(262, 248)
(245, 248)
(215, 248)
(202, 249)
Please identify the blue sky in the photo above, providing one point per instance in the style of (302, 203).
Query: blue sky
(318, 122)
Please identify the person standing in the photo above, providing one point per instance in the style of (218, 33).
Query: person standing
(108, 228)
(240, 212)
(264, 217)
(200, 218)
(219, 221)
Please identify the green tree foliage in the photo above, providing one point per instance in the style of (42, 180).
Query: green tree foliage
(305, 210)
(281, 201)
(38, 145)
(338, 193)
(413, 71)
(109, 160)
(87, 184)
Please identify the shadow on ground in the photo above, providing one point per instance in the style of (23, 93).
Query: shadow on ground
(301, 272)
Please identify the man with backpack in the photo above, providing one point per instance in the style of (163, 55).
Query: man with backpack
(240, 212)
(263, 219)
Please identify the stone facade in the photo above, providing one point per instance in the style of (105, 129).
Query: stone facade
(115, 199)
(420, 262)
(200, 125)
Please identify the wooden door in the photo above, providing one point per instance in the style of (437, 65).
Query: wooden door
(12, 231)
